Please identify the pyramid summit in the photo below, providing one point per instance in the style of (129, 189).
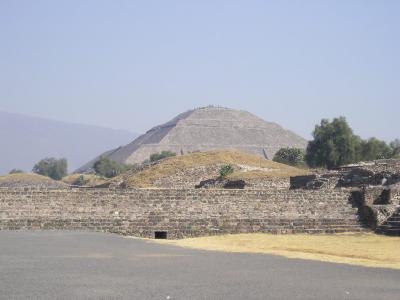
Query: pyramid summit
(204, 129)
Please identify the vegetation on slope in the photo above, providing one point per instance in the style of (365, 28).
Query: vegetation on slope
(245, 166)
(290, 156)
(161, 155)
(15, 171)
(109, 168)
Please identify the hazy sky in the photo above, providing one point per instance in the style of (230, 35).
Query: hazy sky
(135, 64)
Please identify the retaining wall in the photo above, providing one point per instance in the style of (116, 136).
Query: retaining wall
(181, 213)
(396, 195)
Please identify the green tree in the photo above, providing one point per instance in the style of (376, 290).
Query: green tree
(334, 144)
(108, 168)
(51, 167)
(163, 154)
(395, 145)
(290, 156)
(373, 149)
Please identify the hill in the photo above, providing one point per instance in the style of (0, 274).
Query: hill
(25, 140)
(188, 170)
(205, 129)
(29, 180)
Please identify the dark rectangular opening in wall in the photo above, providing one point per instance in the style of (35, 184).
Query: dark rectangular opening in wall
(160, 235)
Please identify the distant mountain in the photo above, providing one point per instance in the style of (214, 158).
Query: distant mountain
(24, 140)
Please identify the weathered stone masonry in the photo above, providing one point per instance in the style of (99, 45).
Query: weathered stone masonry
(396, 195)
(180, 213)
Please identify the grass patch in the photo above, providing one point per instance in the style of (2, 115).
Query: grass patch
(365, 249)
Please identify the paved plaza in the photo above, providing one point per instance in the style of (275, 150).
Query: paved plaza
(87, 265)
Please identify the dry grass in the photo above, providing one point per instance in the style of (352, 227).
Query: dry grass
(22, 177)
(176, 164)
(364, 249)
(90, 179)
(27, 179)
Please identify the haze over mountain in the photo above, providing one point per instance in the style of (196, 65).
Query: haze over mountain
(25, 140)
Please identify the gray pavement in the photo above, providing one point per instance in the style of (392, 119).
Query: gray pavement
(86, 265)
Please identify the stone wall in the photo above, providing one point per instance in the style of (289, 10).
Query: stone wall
(181, 213)
(251, 183)
(267, 183)
(396, 195)
(316, 181)
(378, 196)
(376, 205)
(375, 173)
(190, 177)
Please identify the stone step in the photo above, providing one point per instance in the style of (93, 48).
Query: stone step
(394, 219)
(391, 222)
(391, 226)
(392, 232)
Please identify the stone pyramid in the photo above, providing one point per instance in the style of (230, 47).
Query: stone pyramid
(207, 128)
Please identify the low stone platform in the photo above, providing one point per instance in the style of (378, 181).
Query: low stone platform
(179, 213)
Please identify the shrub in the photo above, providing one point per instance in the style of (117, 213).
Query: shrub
(290, 156)
(108, 168)
(15, 171)
(225, 171)
(51, 167)
(81, 180)
(163, 154)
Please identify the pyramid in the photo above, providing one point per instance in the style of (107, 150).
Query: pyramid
(204, 129)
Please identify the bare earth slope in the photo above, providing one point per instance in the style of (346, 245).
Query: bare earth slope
(205, 129)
